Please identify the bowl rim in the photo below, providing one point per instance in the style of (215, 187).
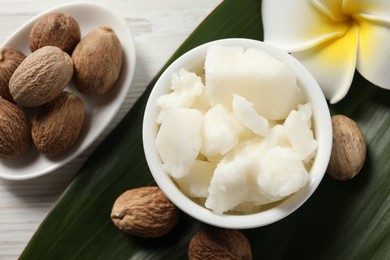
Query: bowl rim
(321, 126)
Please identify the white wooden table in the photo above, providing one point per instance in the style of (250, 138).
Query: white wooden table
(159, 27)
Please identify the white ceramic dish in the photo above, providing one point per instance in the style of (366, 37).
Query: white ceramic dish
(99, 111)
(194, 61)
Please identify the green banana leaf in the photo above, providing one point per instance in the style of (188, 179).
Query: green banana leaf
(342, 220)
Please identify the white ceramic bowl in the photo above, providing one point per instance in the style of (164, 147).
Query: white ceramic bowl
(194, 61)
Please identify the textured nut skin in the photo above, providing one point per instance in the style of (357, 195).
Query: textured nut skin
(217, 243)
(144, 212)
(15, 130)
(57, 124)
(55, 29)
(348, 150)
(10, 59)
(41, 77)
(97, 60)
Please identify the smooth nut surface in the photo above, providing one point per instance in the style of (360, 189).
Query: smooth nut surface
(15, 130)
(97, 60)
(41, 77)
(144, 212)
(348, 150)
(55, 29)
(217, 243)
(10, 59)
(57, 124)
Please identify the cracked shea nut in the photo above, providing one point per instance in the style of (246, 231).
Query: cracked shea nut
(144, 212)
(57, 124)
(97, 61)
(10, 59)
(14, 130)
(217, 243)
(41, 77)
(55, 29)
(348, 150)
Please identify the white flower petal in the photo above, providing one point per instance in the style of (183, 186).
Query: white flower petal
(332, 8)
(297, 25)
(374, 53)
(378, 10)
(333, 64)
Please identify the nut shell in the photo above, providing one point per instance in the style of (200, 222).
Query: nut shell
(97, 60)
(41, 77)
(10, 59)
(57, 124)
(217, 243)
(55, 29)
(348, 150)
(15, 130)
(144, 212)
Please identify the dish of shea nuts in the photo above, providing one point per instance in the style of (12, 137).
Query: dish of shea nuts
(69, 110)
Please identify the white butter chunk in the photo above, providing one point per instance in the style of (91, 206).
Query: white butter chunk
(234, 179)
(185, 88)
(258, 77)
(178, 141)
(298, 125)
(197, 181)
(281, 172)
(219, 132)
(248, 117)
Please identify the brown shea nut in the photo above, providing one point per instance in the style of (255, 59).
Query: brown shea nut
(217, 243)
(55, 29)
(15, 130)
(144, 212)
(57, 124)
(10, 59)
(41, 77)
(97, 61)
(348, 150)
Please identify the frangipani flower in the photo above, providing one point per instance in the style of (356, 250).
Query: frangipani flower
(332, 38)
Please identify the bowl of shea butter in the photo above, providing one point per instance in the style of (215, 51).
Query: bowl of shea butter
(237, 133)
